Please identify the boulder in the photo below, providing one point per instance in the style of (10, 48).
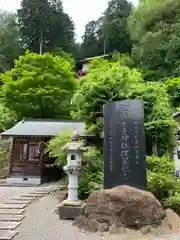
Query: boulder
(124, 206)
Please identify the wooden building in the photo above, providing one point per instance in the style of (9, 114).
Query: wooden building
(30, 164)
(82, 66)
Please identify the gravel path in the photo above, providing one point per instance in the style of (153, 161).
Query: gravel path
(13, 204)
(42, 223)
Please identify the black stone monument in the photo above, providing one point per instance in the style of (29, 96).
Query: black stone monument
(124, 144)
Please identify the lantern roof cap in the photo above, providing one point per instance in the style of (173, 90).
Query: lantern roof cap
(75, 145)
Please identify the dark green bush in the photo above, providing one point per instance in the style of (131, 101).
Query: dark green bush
(91, 178)
(161, 180)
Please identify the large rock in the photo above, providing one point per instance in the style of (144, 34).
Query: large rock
(125, 206)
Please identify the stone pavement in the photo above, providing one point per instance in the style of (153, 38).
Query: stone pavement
(42, 223)
(13, 205)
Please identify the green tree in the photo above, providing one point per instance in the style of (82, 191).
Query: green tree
(173, 88)
(39, 86)
(7, 117)
(115, 30)
(10, 45)
(109, 81)
(92, 44)
(44, 25)
(154, 27)
(110, 32)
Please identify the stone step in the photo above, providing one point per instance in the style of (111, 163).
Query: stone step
(9, 225)
(12, 211)
(53, 188)
(43, 189)
(20, 201)
(32, 195)
(7, 235)
(58, 187)
(42, 193)
(12, 206)
(30, 198)
(11, 218)
(3, 185)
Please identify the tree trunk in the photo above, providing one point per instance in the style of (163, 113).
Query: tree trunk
(41, 42)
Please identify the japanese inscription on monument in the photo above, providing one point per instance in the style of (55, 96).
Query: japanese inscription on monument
(124, 144)
(124, 154)
(110, 150)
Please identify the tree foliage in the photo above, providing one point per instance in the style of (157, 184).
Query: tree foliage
(154, 28)
(7, 117)
(161, 180)
(10, 46)
(115, 29)
(92, 176)
(110, 81)
(172, 86)
(55, 147)
(109, 33)
(39, 86)
(45, 22)
(92, 45)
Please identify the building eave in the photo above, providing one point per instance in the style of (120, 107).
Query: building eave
(176, 115)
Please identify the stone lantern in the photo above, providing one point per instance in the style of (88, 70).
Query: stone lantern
(72, 206)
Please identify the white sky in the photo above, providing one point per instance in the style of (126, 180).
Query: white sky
(81, 11)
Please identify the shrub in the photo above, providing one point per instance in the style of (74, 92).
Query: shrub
(108, 82)
(91, 178)
(173, 202)
(105, 82)
(55, 147)
(161, 180)
(173, 88)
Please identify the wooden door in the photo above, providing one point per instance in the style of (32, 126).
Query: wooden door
(26, 158)
(33, 161)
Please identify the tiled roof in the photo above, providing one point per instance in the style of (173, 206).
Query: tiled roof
(43, 127)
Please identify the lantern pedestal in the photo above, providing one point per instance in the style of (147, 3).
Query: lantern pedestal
(69, 211)
(72, 206)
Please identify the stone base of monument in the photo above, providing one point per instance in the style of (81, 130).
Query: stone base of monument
(68, 210)
(121, 208)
